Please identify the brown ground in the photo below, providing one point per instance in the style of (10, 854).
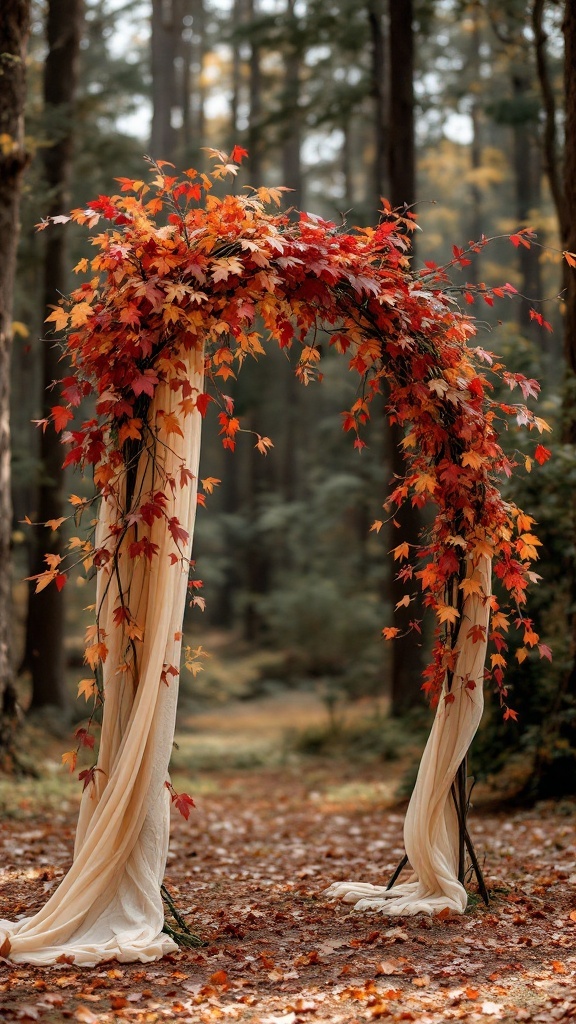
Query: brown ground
(248, 871)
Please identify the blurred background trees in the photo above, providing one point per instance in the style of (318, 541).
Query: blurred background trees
(455, 109)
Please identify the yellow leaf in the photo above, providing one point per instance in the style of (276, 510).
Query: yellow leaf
(403, 602)
(20, 329)
(75, 500)
(226, 266)
(541, 424)
(402, 551)
(59, 317)
(55, 523)
(524, 522)
(500, 621)
(521, 654)
(194, 667)
(377, 525)
(530, 538)
(95, 653)
(43, 579)
(446, 613)
(527, 551)
(310, 354)
(134, 631)
(472, 459)
(209, 483)
(472, 585)
(81, 267)
(483, 547)
(80, 313)
(170, 423)
(86, 688)
(70, 758)
(263, 444)
(497, 659)
(425, 482)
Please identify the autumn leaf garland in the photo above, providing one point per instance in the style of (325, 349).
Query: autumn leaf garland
(178, 267)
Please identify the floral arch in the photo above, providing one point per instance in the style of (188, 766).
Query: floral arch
(185, 286)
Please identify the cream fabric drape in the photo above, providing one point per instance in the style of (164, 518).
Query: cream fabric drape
(109, 904)
(431, 825)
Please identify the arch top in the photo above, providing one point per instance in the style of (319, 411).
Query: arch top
(180, 265)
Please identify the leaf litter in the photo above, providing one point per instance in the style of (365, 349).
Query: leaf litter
(248, 870)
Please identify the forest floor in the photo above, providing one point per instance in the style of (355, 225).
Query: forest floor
(248, 872)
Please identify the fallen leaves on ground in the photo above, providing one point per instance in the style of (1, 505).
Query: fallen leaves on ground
(248, 871)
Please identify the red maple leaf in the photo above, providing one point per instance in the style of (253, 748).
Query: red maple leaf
(177, 531)
(61, 415)
(144, 383)
(183, 803)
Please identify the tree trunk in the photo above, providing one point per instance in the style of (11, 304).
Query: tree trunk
(527, 186)
(14, 28)
(475, 219)
(255, 91)
(380, 95)
(407, 654)
(236, 93)
(401, 135)
(45, 627)
(198, 57)
(163, 43)
(292, 145)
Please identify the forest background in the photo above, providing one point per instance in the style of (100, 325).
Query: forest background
(452, 109)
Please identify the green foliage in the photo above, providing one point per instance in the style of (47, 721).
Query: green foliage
(361, 739)
(326, 631)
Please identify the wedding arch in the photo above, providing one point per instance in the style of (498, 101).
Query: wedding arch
(185, 286)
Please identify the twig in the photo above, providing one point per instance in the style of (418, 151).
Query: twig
(183, 936)
(398, 871)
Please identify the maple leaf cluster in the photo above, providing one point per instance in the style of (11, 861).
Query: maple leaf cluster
(178, 267)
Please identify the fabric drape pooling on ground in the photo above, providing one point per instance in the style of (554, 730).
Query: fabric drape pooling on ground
(431, 834)
(109, 904)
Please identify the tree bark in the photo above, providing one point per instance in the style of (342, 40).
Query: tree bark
(475, 219)
(407, 654)
(292, 176)
(46, 610)
(255, 116)
(14, 28)
(401, 132)
(380, 96)
(550, 136)
(527, 185)
(554, 775)
(164, 38)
